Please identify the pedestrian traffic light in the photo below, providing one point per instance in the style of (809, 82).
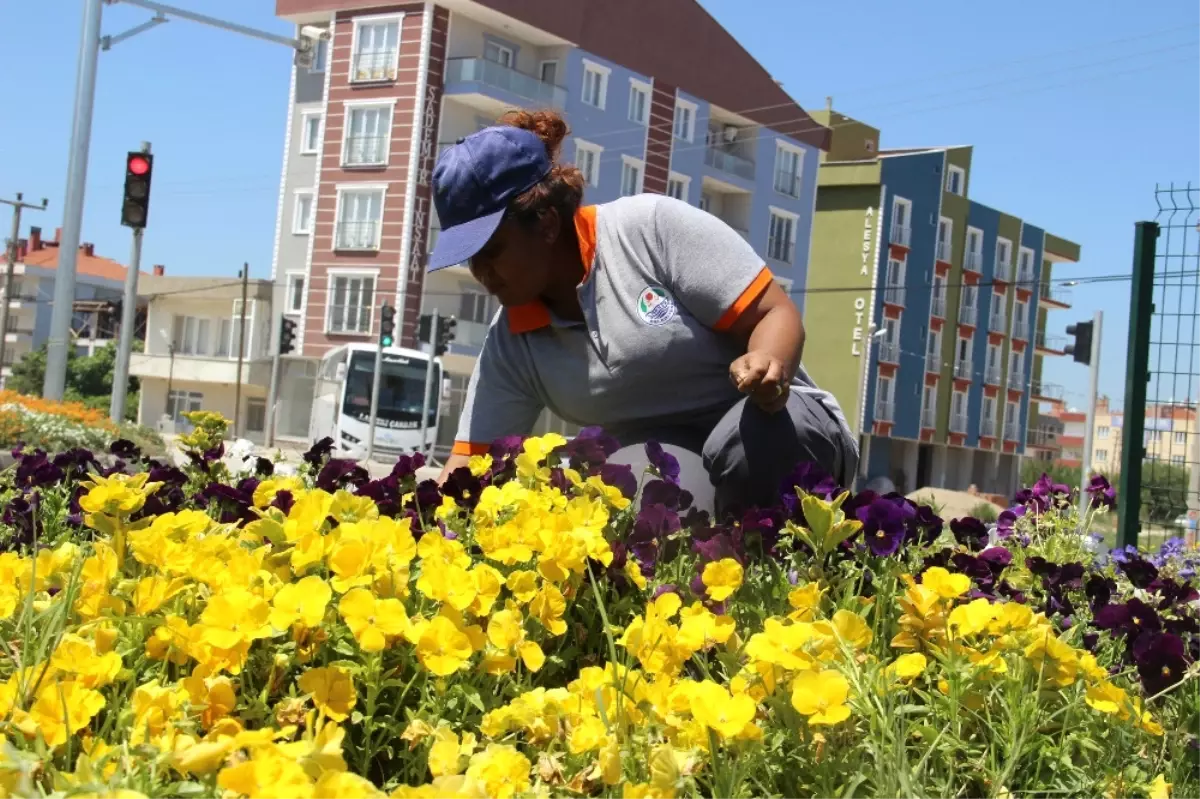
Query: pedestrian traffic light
(445, 334)
(1081, 347)
(135, 208)
(287, 336)
(387, 325)
(423, 328)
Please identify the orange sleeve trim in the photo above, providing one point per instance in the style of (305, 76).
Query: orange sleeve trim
(467, 448)
(747, 298)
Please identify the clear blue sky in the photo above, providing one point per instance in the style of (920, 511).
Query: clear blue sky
(1076, 109)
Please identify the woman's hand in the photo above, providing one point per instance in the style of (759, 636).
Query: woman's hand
(763, 377)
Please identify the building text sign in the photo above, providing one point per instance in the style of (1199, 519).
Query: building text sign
(860, 304)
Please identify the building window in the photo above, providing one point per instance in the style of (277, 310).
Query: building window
(1181, 437)
(974, 249)
(1176, 460)
(498, 53)
(310, 132)
(631, 176)
(477, 307)
(1025, 269)
(677, 186)
(256, 415)
(235, 326)
(1102, 432)
(956, 180)
(351, 300)
(929, 407)
(376, 48)
(706, 202)
(901, 221)
(883, 400)
(181, 402)
(548, 72)
(295, 292)
(1016, 369)
(889, 345)
(781, 236)
(303, 215)
(368, 131)
(788, 162)
(224, 335)
(192, 335)
(320, 56)
(639, 102)
(944, 236)
(1102, 455)
(1003, 255)
(587, 158)
(685, 120)
(595, 84)
(987, 425)
(360, 212)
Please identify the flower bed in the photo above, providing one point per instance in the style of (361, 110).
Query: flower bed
(529, 629)
(57, 426)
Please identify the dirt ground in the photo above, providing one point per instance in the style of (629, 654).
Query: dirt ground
(953, 504)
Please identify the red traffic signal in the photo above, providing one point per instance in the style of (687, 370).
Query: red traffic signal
(135, 206)
(138, 164)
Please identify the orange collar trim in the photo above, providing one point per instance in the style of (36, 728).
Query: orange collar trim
(535, 315)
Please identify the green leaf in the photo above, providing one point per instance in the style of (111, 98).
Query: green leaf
(819, 515)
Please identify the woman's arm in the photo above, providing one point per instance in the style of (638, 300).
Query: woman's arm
(774, 334)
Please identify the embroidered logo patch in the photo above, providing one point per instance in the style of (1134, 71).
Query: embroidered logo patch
(655, 306)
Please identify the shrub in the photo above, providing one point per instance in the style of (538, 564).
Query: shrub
(985, 512)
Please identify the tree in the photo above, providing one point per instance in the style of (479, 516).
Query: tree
(89, 377)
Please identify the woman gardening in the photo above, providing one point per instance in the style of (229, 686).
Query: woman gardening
(645, 316)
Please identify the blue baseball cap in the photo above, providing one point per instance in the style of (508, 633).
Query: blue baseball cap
(473, 183)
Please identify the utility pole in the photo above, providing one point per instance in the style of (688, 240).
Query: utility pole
(1089, 431)
(81, 133)
(128, 315)
(435, 333)
(11, 260)
(237, 395)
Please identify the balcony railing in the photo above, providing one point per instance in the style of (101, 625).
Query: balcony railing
(938, 306)
(498, 76)
(889, 352)
(1046, 391)
(1054, 344)
(1012, 432)
(894, 295)
(992, 376)
(1016, 380)
(371, 66)
(964, 370)
(885, 411)
(958, 423)
(1025, 275)
(996, 321)
(357, 236)
(987, 427)
(1003, 271)
(728, 162)
(366, 151)
(901, 234)
(933, 363)
(974, 262)
(943, 251)
(1021, 331)
(1057, 295)
(968, 315)
(1041, 437)
(928, 418)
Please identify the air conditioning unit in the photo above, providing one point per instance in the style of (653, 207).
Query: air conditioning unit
(731, 133)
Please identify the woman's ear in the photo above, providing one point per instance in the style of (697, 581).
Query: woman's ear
(549, 225)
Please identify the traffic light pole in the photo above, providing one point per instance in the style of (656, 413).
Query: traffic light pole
(375, 381)
(116, 408)
(434, 340)
(273, 389)
(1089, 430)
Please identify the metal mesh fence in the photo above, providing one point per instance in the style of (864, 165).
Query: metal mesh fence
(1161, 439)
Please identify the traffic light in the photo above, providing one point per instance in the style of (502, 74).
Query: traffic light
(423, 328)
(135, 208)
(445, 334)
(1081, 347)
(287, 336)
(387, 325)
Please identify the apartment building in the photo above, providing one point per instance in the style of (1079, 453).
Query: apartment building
(189, 362)
(691, 115)
(1171, 430)
(99, 285)
(926, 312)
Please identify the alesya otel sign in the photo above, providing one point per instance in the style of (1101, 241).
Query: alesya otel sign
(860, 302)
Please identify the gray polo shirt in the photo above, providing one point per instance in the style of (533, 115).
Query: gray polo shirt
(664, 283)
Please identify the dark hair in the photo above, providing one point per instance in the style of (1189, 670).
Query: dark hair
(562, 189)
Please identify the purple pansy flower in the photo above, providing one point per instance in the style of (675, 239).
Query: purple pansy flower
(1101, 492)
(970, 532)
(1161, 661)
(664, 463)
(884, 523)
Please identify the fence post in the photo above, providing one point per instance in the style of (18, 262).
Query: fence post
(1133, 445)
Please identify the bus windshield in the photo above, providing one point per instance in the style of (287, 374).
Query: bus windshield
(399, 392)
